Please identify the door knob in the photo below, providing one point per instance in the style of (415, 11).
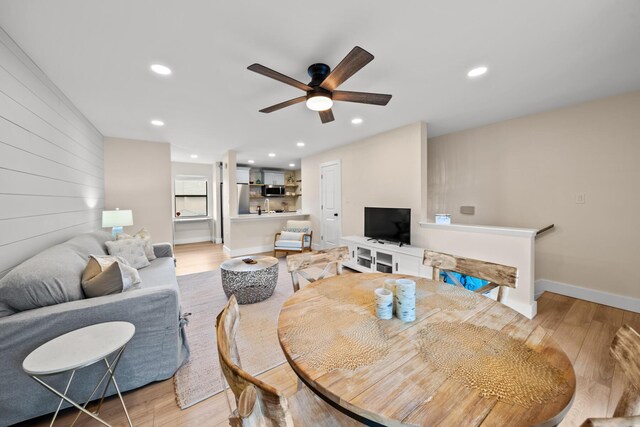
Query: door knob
(335, 214)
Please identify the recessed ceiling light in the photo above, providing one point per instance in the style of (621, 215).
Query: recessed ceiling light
(292, 165)
(251, 161)
(157, 122)
(163, 70)
(477, 72)
(272, 154)
(300, 144)
(194, 156)
(356, 121)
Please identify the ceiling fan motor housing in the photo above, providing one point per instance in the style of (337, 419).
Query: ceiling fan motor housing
(318, 72)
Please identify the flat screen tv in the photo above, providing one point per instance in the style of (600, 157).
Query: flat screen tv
(391, 224)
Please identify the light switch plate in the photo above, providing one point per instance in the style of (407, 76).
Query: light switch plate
(580, 198)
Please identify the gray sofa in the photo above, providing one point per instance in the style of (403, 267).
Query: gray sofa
(156, 351)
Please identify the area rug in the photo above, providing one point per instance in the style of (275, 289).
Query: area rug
(202, 296)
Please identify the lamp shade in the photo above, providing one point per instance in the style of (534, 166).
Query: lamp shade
(117, 218)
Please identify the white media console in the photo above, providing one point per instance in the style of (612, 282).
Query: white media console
(369, 256)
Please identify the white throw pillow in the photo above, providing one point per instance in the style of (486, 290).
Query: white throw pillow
(145, 236)
(132, 250)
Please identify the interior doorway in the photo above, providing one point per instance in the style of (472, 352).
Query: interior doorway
(330, 204)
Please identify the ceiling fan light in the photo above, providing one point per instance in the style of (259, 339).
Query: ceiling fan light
(319, 102)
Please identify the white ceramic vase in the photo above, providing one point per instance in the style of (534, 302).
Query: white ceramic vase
(384, 304)
(405, 300)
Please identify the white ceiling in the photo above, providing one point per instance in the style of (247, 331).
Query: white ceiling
(541, 55)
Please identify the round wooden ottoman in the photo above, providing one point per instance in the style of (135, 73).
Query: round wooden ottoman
(250, 283)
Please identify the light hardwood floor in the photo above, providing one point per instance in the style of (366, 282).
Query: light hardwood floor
(583, 329)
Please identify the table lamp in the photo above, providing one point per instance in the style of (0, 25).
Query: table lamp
(116, 219)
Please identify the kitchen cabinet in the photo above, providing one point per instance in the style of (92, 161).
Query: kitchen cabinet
(273, 178)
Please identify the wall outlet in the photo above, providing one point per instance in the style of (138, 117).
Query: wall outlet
(468, 210)
(580, 198)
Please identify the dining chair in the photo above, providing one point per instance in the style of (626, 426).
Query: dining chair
(625, 349)
(297, 264)
(498, 275)
(296, 236)
(258, 403)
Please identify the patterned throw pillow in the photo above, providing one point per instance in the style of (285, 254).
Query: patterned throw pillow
(132, 250)
(145, 236)
(106, 275)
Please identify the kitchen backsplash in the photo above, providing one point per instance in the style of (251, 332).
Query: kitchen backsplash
(275, 203)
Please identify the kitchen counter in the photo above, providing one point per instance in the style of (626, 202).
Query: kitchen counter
(267, 217)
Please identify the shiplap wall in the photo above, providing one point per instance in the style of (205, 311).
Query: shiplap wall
(51, 162)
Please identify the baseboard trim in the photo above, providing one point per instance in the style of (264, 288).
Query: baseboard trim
(186, 241)
(600, 297)
(218, 240)
(248, 251)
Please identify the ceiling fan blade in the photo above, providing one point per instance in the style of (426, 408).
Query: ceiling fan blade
(261, 69)
(361, 97)
(351, 64)
(326, 116)
(283, 104)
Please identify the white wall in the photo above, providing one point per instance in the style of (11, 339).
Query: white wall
(389, 170)
(528, 171)
(200, 231)
(138, 177)
(383, 170)
(51, 162)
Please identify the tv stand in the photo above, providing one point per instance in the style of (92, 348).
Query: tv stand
(369, 255)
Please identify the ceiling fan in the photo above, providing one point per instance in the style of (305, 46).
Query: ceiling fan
(321, 89)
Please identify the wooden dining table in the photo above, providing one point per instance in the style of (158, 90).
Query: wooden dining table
(466, 360)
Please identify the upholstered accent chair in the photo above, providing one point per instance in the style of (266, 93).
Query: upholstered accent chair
(295, 237)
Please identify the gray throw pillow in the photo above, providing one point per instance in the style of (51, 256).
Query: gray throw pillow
(132, 250)
(49, 278)
(5, 310)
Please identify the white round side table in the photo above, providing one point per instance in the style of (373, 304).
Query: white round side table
(78, 349)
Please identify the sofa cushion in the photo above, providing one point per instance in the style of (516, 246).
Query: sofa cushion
(51, 277)
(160, 272)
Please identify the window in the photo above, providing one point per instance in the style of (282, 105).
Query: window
(191, 197)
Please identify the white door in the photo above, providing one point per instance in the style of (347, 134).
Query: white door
(330, 208)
